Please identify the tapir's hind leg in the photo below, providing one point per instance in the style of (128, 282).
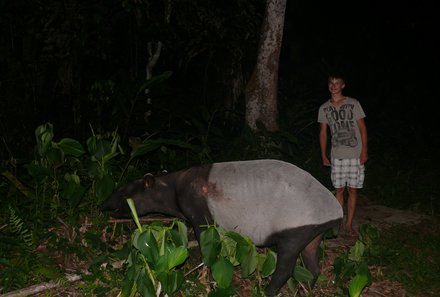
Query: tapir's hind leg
(310, 257)
(286, 261)
(289, 244)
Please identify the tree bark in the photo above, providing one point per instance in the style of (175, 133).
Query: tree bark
(262, 88)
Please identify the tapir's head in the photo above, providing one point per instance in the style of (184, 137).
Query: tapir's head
(141, 191)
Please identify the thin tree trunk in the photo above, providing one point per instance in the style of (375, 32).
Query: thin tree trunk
(261, 90)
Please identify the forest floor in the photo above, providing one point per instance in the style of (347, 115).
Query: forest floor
(379, 216)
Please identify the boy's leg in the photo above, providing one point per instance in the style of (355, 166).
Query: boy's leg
(356, 181)
(339, 181)
(351, 208)
(340, 196)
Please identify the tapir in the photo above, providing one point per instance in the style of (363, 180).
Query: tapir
(275, 203)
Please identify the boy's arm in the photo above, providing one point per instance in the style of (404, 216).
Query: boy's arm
(364, 138)
(323, 143)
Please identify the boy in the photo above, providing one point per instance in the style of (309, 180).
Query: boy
(344, 117)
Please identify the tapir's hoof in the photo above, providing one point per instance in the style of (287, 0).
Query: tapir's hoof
(270, 292)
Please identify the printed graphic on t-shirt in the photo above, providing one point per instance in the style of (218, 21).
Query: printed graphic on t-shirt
(342, 125)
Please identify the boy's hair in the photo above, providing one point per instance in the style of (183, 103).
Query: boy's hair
(336, 75)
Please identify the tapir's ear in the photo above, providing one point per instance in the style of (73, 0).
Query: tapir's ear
(148, 181)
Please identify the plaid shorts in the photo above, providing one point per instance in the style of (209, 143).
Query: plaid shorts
(347, 172)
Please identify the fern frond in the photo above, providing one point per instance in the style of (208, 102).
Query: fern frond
(17, 226)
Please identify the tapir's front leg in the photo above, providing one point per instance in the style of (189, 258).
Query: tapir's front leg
(193, 204)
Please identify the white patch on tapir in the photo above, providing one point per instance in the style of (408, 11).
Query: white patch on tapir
(259, 198)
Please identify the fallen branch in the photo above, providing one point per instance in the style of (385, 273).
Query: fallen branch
(41, 287)
(375, 292)
(144, 219)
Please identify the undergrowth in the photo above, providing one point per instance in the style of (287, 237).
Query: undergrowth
(410, 254)
(49, 219)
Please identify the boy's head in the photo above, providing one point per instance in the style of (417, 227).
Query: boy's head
(337, 76)
(336, 84)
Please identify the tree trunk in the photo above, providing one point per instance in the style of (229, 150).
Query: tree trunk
(262, 88)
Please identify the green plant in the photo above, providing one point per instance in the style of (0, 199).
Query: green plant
(18, 228)
(351, 268)
(222, 251)
(54, 171)
(156, 252)
(19, 262)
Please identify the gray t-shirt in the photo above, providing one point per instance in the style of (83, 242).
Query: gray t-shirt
(345, 135)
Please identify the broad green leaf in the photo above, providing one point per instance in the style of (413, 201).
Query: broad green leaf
(237, 237)
(73, 193)
(182, 232)
(357, 285)
(362, 269)
(338, 265)
(292, 285)
(229, 249)
(357, 251)
(129, 285)
(171, 281)
(210, 245)
(177, 256)
(242, 252)
(348, 270)
(162, 264)
(104, 186)
(98, 147)
(222, 272)
(147, 245)
(71, 147)
(269, 264)
(144, 285)
(72, 177)
(44, 133)
(302, 274)
(44, 136)
(261, 258)
(38, 172)
(249, 263)
(54, 155)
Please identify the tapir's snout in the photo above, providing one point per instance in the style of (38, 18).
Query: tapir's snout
(105, 206)
(115, 207)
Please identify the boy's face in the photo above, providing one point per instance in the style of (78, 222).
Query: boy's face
(335, 85)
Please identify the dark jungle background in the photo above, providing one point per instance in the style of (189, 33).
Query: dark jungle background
(81, 66)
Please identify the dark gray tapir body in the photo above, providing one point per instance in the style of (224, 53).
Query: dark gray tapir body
(273, 202)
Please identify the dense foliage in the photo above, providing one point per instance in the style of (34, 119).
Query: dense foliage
(81, 63)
